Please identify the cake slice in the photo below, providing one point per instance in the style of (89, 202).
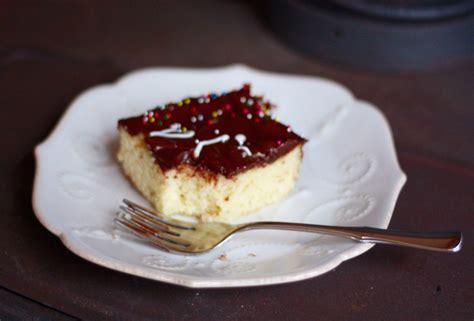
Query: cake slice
(214, 157)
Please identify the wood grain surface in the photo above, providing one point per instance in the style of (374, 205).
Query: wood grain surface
(52, 50)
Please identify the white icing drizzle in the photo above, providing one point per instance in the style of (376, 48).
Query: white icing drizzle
(202, 143)
(246, 150)
(240, 138)
(174, 131)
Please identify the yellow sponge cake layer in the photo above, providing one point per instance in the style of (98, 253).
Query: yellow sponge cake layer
(189, 191)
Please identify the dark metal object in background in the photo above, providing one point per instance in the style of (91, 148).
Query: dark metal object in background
(383, 35)
(409, 10)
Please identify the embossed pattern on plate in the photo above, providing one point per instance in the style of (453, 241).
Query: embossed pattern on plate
(349, 176)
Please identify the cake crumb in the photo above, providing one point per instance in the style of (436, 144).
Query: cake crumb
(251, 255)
(222, 257)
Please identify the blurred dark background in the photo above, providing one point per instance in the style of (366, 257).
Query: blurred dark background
(113, 37)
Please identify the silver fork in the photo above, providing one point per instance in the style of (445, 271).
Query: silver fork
(172, 235)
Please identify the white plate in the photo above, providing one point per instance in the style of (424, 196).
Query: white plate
(349, 176)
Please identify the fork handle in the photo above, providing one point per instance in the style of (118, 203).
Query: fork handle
(444, 241)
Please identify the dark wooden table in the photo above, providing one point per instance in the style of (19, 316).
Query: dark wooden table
(52, 50)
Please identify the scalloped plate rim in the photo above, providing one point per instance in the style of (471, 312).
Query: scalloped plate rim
(79, 248)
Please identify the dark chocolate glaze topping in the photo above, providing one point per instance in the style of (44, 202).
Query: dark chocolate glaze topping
(242, 125)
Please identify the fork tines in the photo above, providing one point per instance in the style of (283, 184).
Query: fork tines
(148, 225)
